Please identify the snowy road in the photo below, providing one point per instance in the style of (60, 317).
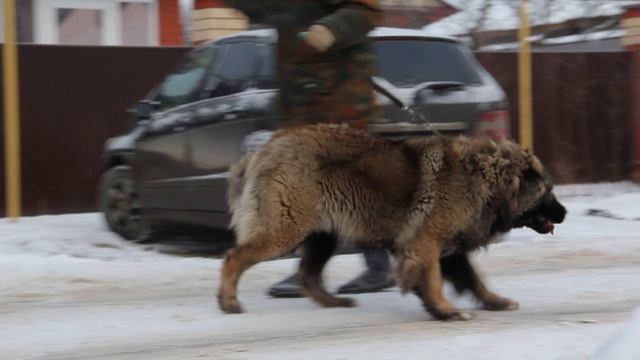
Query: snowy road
(71, 290)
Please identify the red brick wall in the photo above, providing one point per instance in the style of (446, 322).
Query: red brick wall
(170, 27)
(413, 17)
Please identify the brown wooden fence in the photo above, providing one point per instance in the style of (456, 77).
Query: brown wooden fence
(74, 98)
(582, 111)
(71, 100)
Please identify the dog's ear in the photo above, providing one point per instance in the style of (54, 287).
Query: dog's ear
(534, 163)
(530, 179)
(534, 174)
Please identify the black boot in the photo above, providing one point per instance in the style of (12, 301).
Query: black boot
(375, 278)
(287, 288)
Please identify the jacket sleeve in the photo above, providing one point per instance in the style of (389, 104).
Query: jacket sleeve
(351, 23)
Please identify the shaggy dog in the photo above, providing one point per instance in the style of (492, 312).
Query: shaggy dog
(431, 201)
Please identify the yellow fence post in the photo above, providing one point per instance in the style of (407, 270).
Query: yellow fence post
(524, 78)
(11, 113)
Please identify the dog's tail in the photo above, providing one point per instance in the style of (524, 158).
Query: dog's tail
(237, 181)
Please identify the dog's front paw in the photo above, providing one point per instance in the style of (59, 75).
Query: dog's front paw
(454, 315)
(230, 306)
(347, 302)
(336, 301)
(501, 304)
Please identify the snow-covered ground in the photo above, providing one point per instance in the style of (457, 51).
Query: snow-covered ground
(69, 289)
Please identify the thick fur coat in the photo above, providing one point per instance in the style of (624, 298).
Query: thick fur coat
(430, 201)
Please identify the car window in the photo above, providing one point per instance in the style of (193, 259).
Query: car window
(266, 76)
(267, 67)
(185, 84)
(236, 68)
(407, 63)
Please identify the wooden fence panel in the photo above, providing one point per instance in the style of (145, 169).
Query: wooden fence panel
(581, 110)
(74, 98)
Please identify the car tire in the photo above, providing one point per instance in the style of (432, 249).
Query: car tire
(119, 202)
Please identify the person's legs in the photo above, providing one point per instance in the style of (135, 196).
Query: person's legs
(375, 278)
(377, 260)
(288, 287)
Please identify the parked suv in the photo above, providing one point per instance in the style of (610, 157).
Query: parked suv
(172, 167)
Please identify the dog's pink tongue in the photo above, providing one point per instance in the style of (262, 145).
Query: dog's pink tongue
(548, 225)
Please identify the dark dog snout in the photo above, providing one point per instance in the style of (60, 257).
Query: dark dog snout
(553, 210)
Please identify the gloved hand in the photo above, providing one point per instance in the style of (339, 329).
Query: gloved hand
(319, 37)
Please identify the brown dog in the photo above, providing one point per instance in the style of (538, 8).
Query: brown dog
(430, 201)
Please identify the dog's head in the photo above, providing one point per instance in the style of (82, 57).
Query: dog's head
(521, 189)
(533, 203)
(538, 207)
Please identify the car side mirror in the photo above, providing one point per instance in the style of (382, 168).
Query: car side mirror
(143, 109)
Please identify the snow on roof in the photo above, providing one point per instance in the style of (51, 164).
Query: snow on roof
(391, 31)
(267, 32)
(503, 14)
(560, 40)
(378, 32)
(599, 35)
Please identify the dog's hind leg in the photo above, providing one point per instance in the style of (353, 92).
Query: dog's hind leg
(458, 269)
(316, 251)
(261, 247)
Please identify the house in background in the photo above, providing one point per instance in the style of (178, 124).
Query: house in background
(556, 25)
(213, 18)
(100, 22)
(415, 14)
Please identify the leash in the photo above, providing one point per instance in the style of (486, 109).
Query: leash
(415, 116)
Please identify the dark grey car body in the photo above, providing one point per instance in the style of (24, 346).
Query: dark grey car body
(180, 151)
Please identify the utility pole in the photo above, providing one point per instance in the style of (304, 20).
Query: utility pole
(524, 78)
(11, 113)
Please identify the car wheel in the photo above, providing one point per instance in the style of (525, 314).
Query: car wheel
(119, 202)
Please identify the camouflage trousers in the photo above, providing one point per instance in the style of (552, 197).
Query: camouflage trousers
(325, 94)
(333, 111)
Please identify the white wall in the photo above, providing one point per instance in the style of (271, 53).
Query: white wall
(1, 21)
(46, 26)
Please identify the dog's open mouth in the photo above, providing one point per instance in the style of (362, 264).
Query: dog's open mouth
(543, 218)
(537, 222)
(542, 225)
